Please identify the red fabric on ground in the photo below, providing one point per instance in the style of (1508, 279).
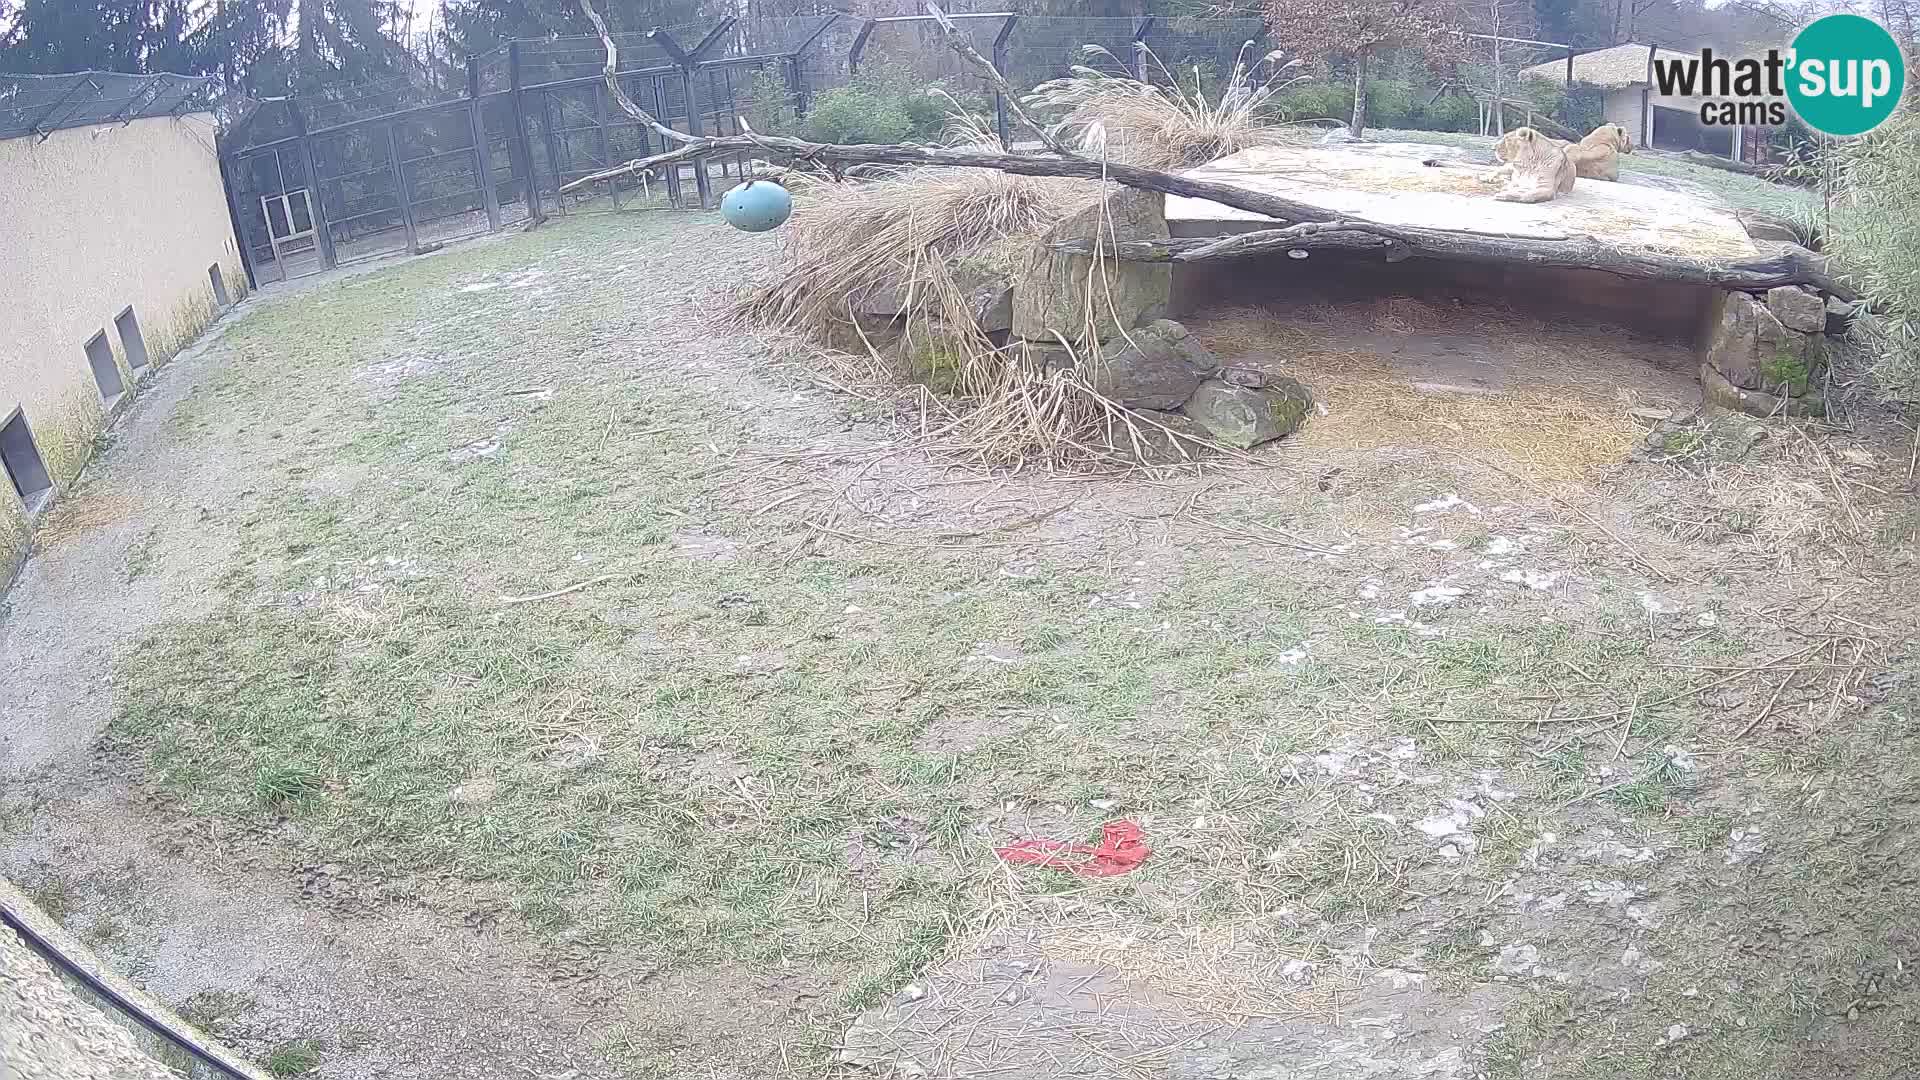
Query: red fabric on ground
(1122, 847)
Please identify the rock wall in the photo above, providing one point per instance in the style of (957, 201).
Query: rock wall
(1105, 318)
(1766, 353)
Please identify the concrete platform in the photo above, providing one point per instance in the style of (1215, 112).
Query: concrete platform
(1386, 182)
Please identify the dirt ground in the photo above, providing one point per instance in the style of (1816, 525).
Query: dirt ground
(495, 664)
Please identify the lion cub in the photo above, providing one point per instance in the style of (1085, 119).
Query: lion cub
(1536, 168)
(1597, 157)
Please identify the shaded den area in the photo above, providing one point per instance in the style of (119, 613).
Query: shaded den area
(1431, 352)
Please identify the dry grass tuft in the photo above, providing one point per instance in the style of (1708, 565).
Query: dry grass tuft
(922, 235)
(1214, 971)
(1178, 125)
(898, 229)
(100, 508)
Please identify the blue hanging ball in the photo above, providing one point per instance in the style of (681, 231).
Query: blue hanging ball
(756, 206)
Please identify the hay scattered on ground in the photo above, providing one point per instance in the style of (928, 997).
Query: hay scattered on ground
(1792, 499)
(1561, 421)
(100, 508)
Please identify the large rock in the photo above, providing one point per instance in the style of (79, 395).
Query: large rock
(1753, 350)
(1839, 317)
(1051, 293)
(1798, 309)
(1162, 438)
(1157, 366)
(1245, 416)
(1761, 225)
(1718, 391)
(985, 278)
(888, 300)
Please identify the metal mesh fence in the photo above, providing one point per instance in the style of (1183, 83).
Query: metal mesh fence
(360, 171)
(364, 170)
(1042, 48)
(42, 104)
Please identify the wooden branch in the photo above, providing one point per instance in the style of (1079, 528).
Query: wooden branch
(829, 154)
(958, 42)
(1779, 264)
(1540, 120)
(1311, 228)
(612, 69)
(1310, 236)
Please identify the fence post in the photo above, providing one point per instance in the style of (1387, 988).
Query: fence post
(1141, 27)
(606, 150)
(553, 151)
(400, 188)
(518, 145)
(689, 65)
(660, 113)
(859, 46)
(796, 85)
(228, 164)
(796, 77)
(702, 186)
(1000, 65)
(317, 203)
(482, 152)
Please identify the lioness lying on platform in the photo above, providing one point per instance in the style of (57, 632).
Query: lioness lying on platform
(1535, 167)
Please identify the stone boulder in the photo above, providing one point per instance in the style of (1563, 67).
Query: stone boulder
(1761, 225)
(1839, 317)
(992, 307)
(1157, 366)
(1050, 293)
(1246, 416)
(1715, 436)
(1752, 349)
(888, 300)
(1798, 309)
(1718, 391)
(986, 279)
(1162, 438)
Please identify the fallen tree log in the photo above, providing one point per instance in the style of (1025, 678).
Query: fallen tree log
(1305, 226)
(1779, 268)
(1778, 264)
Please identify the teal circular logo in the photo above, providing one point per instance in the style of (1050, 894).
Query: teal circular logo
(1847, 74)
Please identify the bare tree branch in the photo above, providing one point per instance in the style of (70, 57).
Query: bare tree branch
(958, 42)
(612, 71)
(1304, 226)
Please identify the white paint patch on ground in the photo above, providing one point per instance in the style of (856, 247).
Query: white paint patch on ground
(1436, 594)
(1449, 501)
(1536, 580)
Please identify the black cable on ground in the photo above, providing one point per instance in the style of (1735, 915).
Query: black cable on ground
(87, 979)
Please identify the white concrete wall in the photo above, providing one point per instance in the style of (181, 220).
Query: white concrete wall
(94, 219)
(1623, 107)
